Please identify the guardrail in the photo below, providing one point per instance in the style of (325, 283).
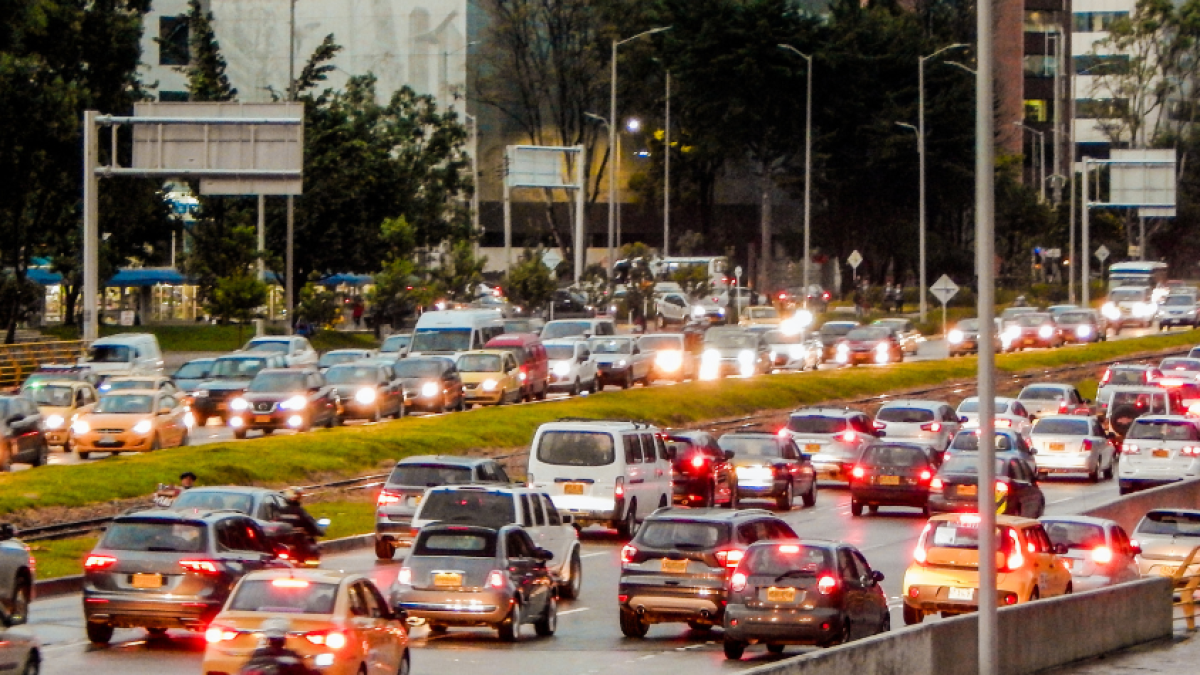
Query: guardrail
(19, 360)
(1186, 585)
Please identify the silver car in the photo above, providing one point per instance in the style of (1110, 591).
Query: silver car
(931, 422)
(1099, 551)
(16, 576)
(1073, 444)
(1159, 449)
(1050, 399)
(835, 437)
(1164, 538)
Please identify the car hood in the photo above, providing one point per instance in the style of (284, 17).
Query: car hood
(228, 384)
(272, 395)
(116, 420)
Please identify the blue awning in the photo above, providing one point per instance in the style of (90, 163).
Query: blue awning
(146, 277)
(347, 279)
(43, 276)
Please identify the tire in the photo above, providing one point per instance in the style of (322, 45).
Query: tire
(632, 625)
(239, 434)
(510, 628)
(627, 528)
(1094, 476)
(734, 649)
(157, 632)
(83, 454)
(378, 415)
(912, 616)
(775, 648)
(873, 508)
(99, 633)
(1070, 589)
(33, 666)
(571, 589)
(1035, 594)
(541, 395)
(546, 625)
(856, 508)
(925, 510)
(700, 627)
(438, 628)
(186, 439)
(628, 381)
(1108, 473)
(384, 549)
(405, 665)
(734, 499)
(42, 456)
(268, 431)
(18, 604)
(155, 445)
(784, 501)
(201, 420)
(810, 497)
(574, 388)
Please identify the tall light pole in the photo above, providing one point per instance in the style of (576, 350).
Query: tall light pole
(612, 141)
(289, 265)
(667, 174)
(1041, 143)
(807, 165)
(474, 174)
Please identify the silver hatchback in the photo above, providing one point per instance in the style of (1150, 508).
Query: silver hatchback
(835, 437)
(931, 422)
(1073, 444)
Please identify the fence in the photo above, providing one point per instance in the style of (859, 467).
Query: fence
(1186, 582)
(19, 360)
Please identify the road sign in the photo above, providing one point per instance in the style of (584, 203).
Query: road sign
(1053, 253)
(855, 259)
(737, 271)
(1102, 253)
(552, 258)
(943, 289)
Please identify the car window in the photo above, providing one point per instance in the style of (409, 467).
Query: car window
(1037, 536)
(577, 448)
(861, 424)
(552, 516)
(780, 530)
(359, 605)
(847, 566)
(633, 449)
(859, 560)
(236, 535)
(518, 545)
(750, 532)
(532, 502)
(1121, 541)
(662, 448)
(649, 450)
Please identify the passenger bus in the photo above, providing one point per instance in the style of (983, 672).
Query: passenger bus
(1137, 273)
(716, 268)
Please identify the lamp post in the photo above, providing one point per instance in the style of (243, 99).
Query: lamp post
(1041, 138)
(807, 166)
(667, 174)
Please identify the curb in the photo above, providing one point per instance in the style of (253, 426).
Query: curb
(60, 586)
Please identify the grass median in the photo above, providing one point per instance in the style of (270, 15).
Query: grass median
(350, 451)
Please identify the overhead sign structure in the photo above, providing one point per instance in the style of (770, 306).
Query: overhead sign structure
(943, 289)
(1102, 253)
(1144, 179)
(546, 167)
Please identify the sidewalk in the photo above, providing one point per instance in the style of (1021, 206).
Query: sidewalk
(1178, 656)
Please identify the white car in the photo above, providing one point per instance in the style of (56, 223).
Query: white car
(1159, 449)
(296, 350)
(672, 359)
(572, 368)
(931, 422)
(795, 350)
(1073, 444)
(1164, 537)
(1009, 414)
(1099, 550)
(1050, 399)
(675, 308)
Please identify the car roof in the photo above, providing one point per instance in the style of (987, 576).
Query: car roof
(1048, 385)
(271, 371)
(998, 399)
(454, 460)
(489, 352)
(245, 355)
(167, 515)
(65, 383)
(709, 514)
(492, 488)
(1134, 388)
(240, 489)
(203, 359)
(751, 434)
(824, 411)
(347, 350)
(130, 392)
(318, 575)
(916, 445)
(1088, 520)
(912, 403)
(135, 378)
(1133, 366)
(607, 425)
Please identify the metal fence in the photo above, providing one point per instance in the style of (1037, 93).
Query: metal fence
(17, 361)
(1186, 581)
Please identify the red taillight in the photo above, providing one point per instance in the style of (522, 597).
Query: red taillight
(932, 426)
(1107, 375)
(1003, 424)
(1087, 444)
(199, 566)
(627, 553)
(405, 576)
(936, 485)
(737, 582)
(880, 425)
(495, 579)
(1062, 406)
(699, 461)
(99, 562)
(216, 634)
(1010, 598)
(730, 557)
(858, 472)
(1102, 555)
(333, 640)
(1015, 560)
(619, 490)
(782, 433)
(848, 436)
(826, 584)
(1130, 449)
(387, 498)
(926, 474)
(783, 296)
(524, 375)
(825, 295)
(1190, 451)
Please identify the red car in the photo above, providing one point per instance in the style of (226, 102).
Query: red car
(531, 355)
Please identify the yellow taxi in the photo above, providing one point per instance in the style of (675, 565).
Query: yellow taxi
(61, 402)
(765, 315)
(338, 622)
(133, 420)
(490, 376)
(944, 575)
(127, 382)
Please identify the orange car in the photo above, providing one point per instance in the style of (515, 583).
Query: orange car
(132, 421)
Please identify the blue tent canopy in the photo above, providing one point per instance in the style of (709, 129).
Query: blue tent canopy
(347, 279)
(40, 275)
(146, 277)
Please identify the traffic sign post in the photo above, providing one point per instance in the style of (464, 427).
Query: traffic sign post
(737, 297)
(854, 260)
(1102, 253)
(943, 289)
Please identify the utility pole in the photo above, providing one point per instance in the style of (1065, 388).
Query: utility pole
(667, 174)
(288, 283)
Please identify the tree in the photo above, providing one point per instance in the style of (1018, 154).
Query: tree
(530, 283)
(460, 270)
(317, 306)
(639, 283)
(206, 66)
(235, 298)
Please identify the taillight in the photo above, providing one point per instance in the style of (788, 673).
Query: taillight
(858, 472)
(619, 490)
(1130, 449)
(880, 425)
(698, 461)
(826, 584)
(405, 576)
(216, 634)
(848, 436)
(1107, 375)
(99, 562)
(200, 566)
(495, 579)
(1016, 560)
(926, 474)
(730, 557)
(524, 375)
(932, 426)
(1062, 406)
(936, 485)
(387, 498)
(1087, 444)
(782, 433)
(1010, 598)
(1003, 424)
(333, 640)
(1102, 555)
(627, 553)
(737, 582)
(1190, 450)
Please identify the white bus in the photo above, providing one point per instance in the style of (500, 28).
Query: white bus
(716, 268)
(454, 331)
(1136, 273)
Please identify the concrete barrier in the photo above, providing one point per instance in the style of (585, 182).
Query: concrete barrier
(1129, 509)
(1033, 637)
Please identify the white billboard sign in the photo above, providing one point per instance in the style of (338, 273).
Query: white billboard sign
(1144, 179)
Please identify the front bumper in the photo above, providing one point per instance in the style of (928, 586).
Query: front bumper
(793, 626)
(125, 441)
(273, 420)
(122, 611)
(478, 396)
(457, 608)
(1177, 320)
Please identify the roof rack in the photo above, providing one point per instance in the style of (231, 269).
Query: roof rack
(637, 424)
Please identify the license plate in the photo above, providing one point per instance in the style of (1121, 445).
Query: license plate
(781, 595)
(447, 579)
(812, 447)
(147, 581)
(962, 593)
(1162, 453)
(674, 566)
(889, 480)
(573, 489)
(967, 490)
(221, 406)
(1030, 341)
(1058, 447)
(107, 440)
(262, 419)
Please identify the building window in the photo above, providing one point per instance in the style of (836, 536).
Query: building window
(1101, 108)
(173, 41)
(1107, 64)
(173, 96)
(1041, 21)
(1096, 22)
(1035, 110)
(1037, 65)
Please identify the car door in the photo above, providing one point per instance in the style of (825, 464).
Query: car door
(535, 523)
(587, 365)
(654, 451)
(1024, 491)
(553, 534)
(522, 567)
(1057, 575)
(387, 649)
(241, 543)
(854, 596)
(874, 596)
(1123, 555)
(635, 472)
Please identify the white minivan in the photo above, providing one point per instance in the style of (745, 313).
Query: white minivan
(124, 354)
(602, 472)
(452, 332)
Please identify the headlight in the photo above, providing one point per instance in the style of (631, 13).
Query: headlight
(562, 368)
(430, 389)
(489, 385)
(144, 427)
(843, 348)
(365, 395)
(771, 356)
(670, 361)
(745, 356)
(881, 348)
(697, 312)
(239, 404)
(1083, 331)
(54, 422)
(80, 427)
(1045, 332)
(721, 311)
(1012, 333)
(955, 336)
(711, 356)
(796, 351)
(612, 309)
(1110, 311)
(1143, 310)
(622, 363)
(296, 402)
(200, 393)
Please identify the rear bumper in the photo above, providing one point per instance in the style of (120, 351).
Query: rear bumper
(1134, 484)
(782, 626)
(885, 496)
(120, 610)
(455, 609)
(687, 604)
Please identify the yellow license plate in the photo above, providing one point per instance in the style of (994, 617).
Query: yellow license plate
(968, 490)
(781, 595)
(416, 500)
(1162, 453)
(447, 579)
(262, 419)
(674, 566)
(573, 489)
(147, 581)
(889, 480)
(812, 447)
(1058, 447)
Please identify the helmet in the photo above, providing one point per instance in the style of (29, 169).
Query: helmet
(292, 494)
(275, 629)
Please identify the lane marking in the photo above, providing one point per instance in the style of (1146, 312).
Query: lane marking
(572, 611)
(1064, 499)
(593, 555)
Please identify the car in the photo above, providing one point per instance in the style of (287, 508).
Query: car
(1073, 444)
(1009, 314)
(1130, 306)
(733, 299)
(339, 356)
(295, 349)
(124, 354)
(284, 398)
(132, 421)
(1180, 367)
(431, 383)
(466, 575)
(530, 353)
(834, 437)
(1051, 398)
(1008, 413)
(770, 466)
(1098, 550)
(1082, 325)
(367, 390)
(167, 569)
(701, 472)
(734, 351)
(1058, 310)
(565, 304)
(228, 378)
(405, 487)
(1163, 538)
(285, 523)
(869, 344)
(396, 345)
(1187, 388)
(1127, 374)
(907, 335)
(61, 402)
(811, 592)
(495, 303)
(526, 325)
(1034, 329)
(62, 372)
(188, 376)
(572, 369)
(964, 337)
(677, 568)
(758, 316)
(602, 472)
(944, 574)
(672, 359)
(21, 434)
(831, 333)
(587, 328)
(17, 570)
(956, 485)
(1007, 440)
(141, 382)
(932, 423)
(794, 350)
(674, 307)
(20, 649)
(1122, 405)
(620, 361)
(495, 506)
(490, 376)
(338, 622)
(892, 473)
(1159, 449)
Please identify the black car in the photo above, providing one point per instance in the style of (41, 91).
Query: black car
(367, 390)
(568, 305)
(227, 378)
(803, 593)
(677, 568)
(285, 398)
(284, 522)
(770, 466)
(956, 486)
(431, 383)
(23, 438)
(701, 472)
(892, 474)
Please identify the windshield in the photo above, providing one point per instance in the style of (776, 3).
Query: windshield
(560, 352)
(1042, 394)
(419, 368)
(894, 455)
(126, 404)
(352, 375)
(119, 385)
(1075, 535)
(110, 354)
(731, 341)
(576, 448)
(661, 342)
(971, 405)
(1127, 376)
(1163, 430)
(165, 536)
(278, 381)
(750, 446)
(562, 329)
(295, 597)
(816, 424)
(51, 395)
(868, 333)
(905, 415)
(429, 475)
(778, 337)
(194, 370)
(1011, 312)
(1179, 301)
(1180, 364)
(837, 329)
(1032, 320)
(969, 440)
(442, 340)
(1063, 427)
(1073, 318)
(212, 500)
(1174, 523)
(479, 363)
(520, 326)
(395, 343)
(968, 325)
(331, 359)
(778, 559)
(475, 507)
(612, 346)
(457, 544)
(1127, 295)
(271, 346)
(682, 534)
(237, 369)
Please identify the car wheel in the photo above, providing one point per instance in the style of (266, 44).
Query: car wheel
(1108, 473)
(239, 434)
(438, 628)
(384, 549)
(43, 454)
(186, 439)
(912, 616)
(873, 508)
(99, 633)
(628, 381)
(33, 666)
(1070, 588)
(541, 395)
(775, 648)
(546, 625)
(1035, 594)
(734, 649)
(378, 416)
(18, 605)
(925, 511)
(83, 454)
(885, 624)
(734, 498)
(155, 445)
(510, 630)
(157, 632)
(627, 529)
(575, 388)
(201, 420)
(405, 665)
(1094, 475)
(810, 497)
(784, 501)
(570, 590)
(856, 507)
(633, 625)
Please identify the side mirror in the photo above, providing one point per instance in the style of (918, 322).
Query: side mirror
(876, 576)
(543, 555)
(728, 455)
(1060, 549)
(7, 531)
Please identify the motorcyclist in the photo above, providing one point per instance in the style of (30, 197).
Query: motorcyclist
(308, 529)
(273, 657)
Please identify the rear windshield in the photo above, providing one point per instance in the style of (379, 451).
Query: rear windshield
(441, 340)
(474, 507)
(418, 368)
(963, 535)
(1160, 430)
(1170, 522)
(352, 375)
(429, 475)
(816, 424)
(236, 368)
(576, 448)
(1042, 394)
(288, 596)
(560, 352)
(1179, 301)
(1075, 535)
(894, 455)
(1079, 427)
(565, 329)
(118, 385)
(612, 346)
(969, 440)
(479, 363)
(161, 536)
(779, 559)
(683, 534)
(1180, 364)
(278, 382)
(331, 359)
(132, 404)
(204, 500)
(972, 406)
(743, 446)
(905, 415)
(1126, 376)
(193, 370)
(460, 544)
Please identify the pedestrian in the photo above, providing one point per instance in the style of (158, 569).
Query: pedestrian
(187, 479)
(899, 297)
(857, 298)
(357, 312)
(889, 298)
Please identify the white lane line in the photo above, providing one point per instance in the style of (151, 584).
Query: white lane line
(593, 555)
(572, 611)
(1064, 499)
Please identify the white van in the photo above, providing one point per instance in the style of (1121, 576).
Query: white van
(124, 354)
(602, 472)
(452, 332)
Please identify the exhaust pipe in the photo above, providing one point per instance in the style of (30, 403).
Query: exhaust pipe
(641, 611)
(705, 614)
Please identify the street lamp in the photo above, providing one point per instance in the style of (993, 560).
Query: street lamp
(807, 165)
(1041, 142)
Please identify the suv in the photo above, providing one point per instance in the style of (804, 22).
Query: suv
(585, 328)
(701, 472)
(295, 349)
(285, 398)
(495, 507)
(835, 437)
(165, 569)
(1120, 406)
(405, 486)
(770, 466)
(285, 522)
(677, 568)
(602, 472)
(16, 574)
(227, 378)
(930, 422)
(1159, 449)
